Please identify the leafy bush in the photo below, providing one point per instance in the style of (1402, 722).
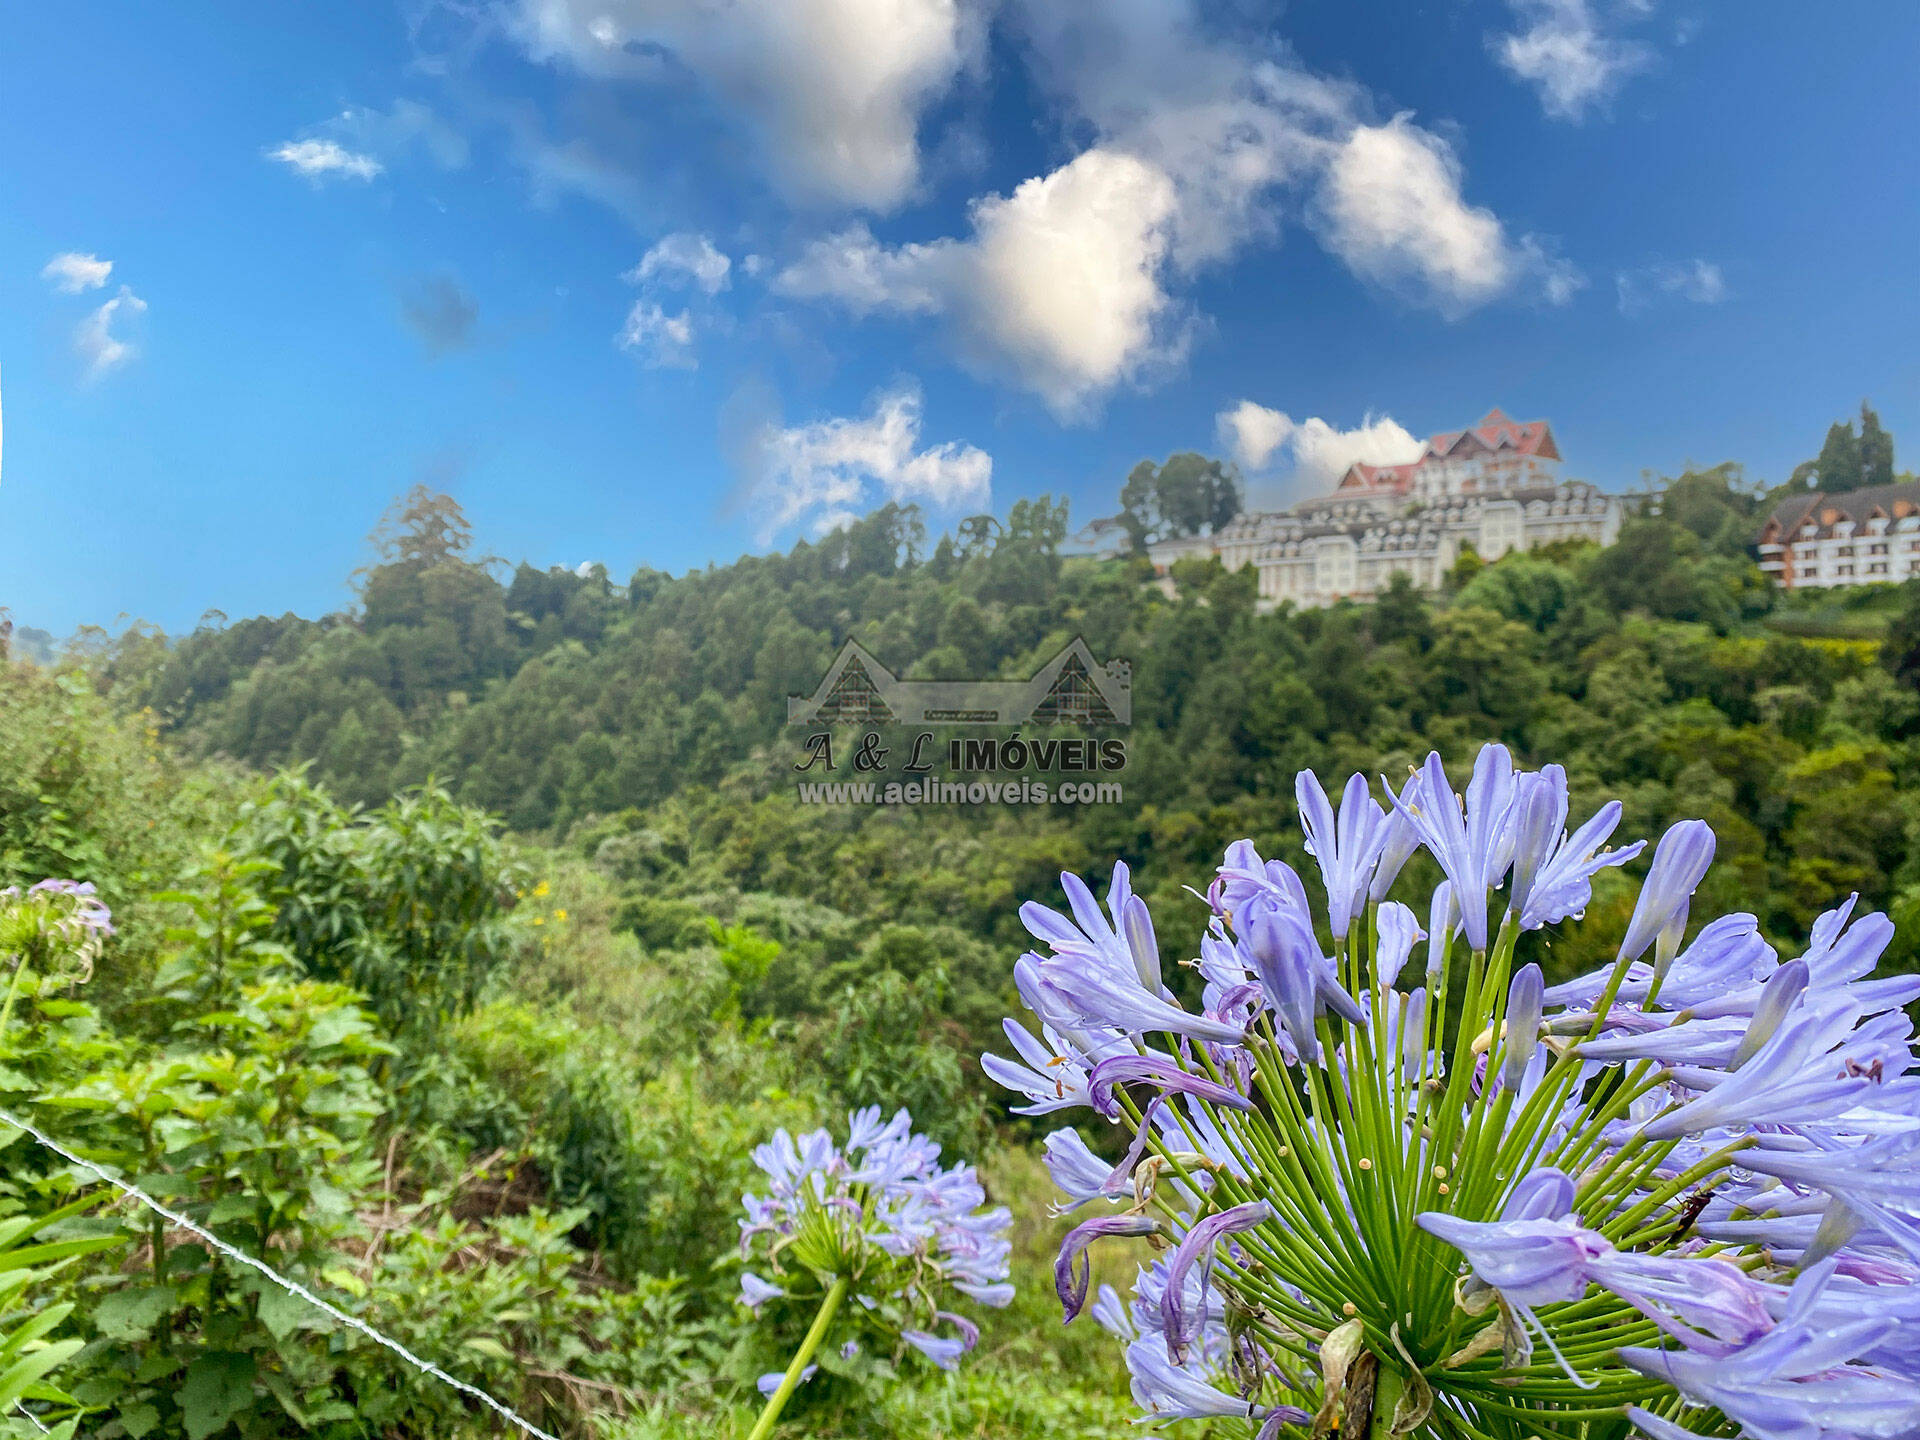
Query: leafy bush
(409, 903)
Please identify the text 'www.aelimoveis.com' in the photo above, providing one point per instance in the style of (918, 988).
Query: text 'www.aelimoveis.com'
(1024, 791)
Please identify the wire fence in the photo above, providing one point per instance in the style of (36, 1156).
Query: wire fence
(292, 1287)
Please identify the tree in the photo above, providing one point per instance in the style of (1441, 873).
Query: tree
(1186, 495)
(1717, 505)
(1901, 651)
(978, 535)
(1876, 449)
(422, 528)
(1037, 524)
(1838, 464)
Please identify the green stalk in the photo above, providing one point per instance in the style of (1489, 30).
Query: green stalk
(1388, 1386)
(778, 1400)
(13, 988)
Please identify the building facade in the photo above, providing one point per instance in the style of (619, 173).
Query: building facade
(1495, 486)
(1858, 537)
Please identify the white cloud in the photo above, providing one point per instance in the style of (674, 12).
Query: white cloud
(662, 341)
(72, 273)
(1392, 209)
(95, 342)
(362, 140)
(1322, 453)
(1699, 281)
(1058, 285)
(1069, 285)
(684, 258)
(833, 90)
(826, 473)
(1252, 432)
(1230, 118)
(317, 159)
(1316, 453)
(1562, 51)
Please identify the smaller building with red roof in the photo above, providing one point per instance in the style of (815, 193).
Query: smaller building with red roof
(1853, 537)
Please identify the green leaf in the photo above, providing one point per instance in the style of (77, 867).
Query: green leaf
(217, 1387)
(282, 1312)
(491, 1348)
(137, 1420)
(23, 1373)
(232, 1207)
(132, 1314)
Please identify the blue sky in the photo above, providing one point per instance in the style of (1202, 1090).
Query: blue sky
(663, 281)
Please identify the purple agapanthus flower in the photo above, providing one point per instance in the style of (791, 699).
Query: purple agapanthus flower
(1154, 1070)
(1466, 842)
(1197, 1248)
(1680, 863)
(1731, 1120)
(1073, 1272)
(1169, 1391)
(1399, 931)
(835, 1212)
(1347, 848)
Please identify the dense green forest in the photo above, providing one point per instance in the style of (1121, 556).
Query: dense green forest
(466, 941)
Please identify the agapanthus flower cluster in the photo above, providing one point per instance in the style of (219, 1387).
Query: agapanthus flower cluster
(55, 928)
(1395, 1182)
(879, 1218)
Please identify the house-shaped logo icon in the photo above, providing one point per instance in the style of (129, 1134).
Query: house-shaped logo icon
(1072, 688)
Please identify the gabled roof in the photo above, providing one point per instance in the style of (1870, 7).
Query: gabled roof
(1847, 507)
(1496, 431)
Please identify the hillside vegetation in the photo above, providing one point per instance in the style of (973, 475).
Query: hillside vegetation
(467, 941)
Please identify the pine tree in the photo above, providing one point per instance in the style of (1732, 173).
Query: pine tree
(1838, 465)
(1876, 449)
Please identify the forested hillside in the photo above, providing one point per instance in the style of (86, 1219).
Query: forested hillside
(644, 725)
(494, 893)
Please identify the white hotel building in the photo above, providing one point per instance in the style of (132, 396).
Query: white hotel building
(1857, 537)
(1496, 486)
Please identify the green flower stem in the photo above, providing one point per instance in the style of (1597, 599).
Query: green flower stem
(778, 1400)
(1298, 1256)
(13, 989)
(1623, 1224)
(1388, 1386)
(1225, 1184)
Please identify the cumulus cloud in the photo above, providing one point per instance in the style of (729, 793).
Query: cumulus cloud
(72, 273)
(827, 473)
(1698, 281)
(1562, 51)
(317, 159)
(1229, 117)
(1392, 209)
(1311, 452)
(684, 258)
(1058, 285)
(832, 90)
(1201, 141)
(1252, 432)
(95, 341)
(441, 312)
(662, 341)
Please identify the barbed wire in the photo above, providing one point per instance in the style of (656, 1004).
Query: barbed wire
(292, 1287)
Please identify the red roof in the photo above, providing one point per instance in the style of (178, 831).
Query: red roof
(1496, 431)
